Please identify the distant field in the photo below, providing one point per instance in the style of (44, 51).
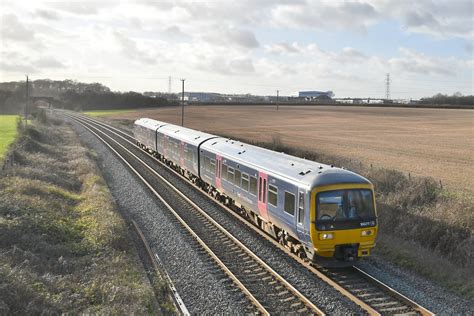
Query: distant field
(8, 131)
(107, 112)
(424, 142)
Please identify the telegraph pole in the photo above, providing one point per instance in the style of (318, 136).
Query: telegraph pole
(278, 93)
(27, 101)
(387, 87)
(169, 84)
(182, 103)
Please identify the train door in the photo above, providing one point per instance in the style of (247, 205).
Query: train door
(165, 146)
(218, 171)
(301, 228)
(262, 195)
(181, 155)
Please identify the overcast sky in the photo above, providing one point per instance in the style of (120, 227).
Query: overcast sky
(244, 46)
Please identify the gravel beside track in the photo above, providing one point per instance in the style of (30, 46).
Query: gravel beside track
(321, 294)
(203, 288)
(421, 290)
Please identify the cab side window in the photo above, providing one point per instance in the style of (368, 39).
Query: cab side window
(289, 203)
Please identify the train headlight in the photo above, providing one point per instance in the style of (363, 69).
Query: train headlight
(366, 233)
(326, 236)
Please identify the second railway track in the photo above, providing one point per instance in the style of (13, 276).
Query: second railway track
(370, 294)
(267, 290)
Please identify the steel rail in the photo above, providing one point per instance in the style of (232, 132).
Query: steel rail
(315, 270)
(161, 272)
(293, 290)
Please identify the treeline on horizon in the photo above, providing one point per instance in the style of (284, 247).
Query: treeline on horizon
(455, 99)
(72, 95)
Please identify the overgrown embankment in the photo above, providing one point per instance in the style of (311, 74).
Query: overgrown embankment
(422, 226)
(64, 248)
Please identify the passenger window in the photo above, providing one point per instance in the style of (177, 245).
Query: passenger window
(273, 195)
(245, 181)
(301, 208)
(224, 171)
(253, 186)
(206, 163)
(230, 174)
(290, 203)
(237, 178)
(212, 166)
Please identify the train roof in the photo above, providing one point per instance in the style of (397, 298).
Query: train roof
(299, 170)
(302, 171)
(150, 123)
(187, 135)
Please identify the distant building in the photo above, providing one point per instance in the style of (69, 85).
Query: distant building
(200, 96)
(310, 95)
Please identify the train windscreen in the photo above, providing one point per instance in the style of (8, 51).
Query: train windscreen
(345, 205)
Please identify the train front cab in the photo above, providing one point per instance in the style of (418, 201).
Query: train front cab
(336, 235)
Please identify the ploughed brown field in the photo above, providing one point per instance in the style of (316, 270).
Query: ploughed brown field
(425, 142)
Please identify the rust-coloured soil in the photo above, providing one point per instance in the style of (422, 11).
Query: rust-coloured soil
(425, 142)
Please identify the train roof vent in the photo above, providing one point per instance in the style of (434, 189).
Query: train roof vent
(320, 167)
(241, 152)
(305, 172)
(197, 137)
(213, 143)
(176, 131)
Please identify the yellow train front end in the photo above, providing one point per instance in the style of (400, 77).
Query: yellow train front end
(343, 222)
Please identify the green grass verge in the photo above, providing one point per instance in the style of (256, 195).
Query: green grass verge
(107, 112)
(8, 132)
(64, 247)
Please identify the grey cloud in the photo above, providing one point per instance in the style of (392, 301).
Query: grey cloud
(414, 62)
(14, 30)
(241, 65)
(48, 62)
(242, 38)
(223, 66)
(83, 7)
(175, 31)
(440, 18)
(231, 36)
(282, 48)
(352, 53)
(414, 19)
(129, 48)
(323, 15)
(468, 48)
(17, 67)
(47, 14)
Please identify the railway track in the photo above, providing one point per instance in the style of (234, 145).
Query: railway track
(370, 294)
(265, 289)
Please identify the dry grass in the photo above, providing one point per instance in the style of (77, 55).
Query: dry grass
(423, 142)
(64, 248)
